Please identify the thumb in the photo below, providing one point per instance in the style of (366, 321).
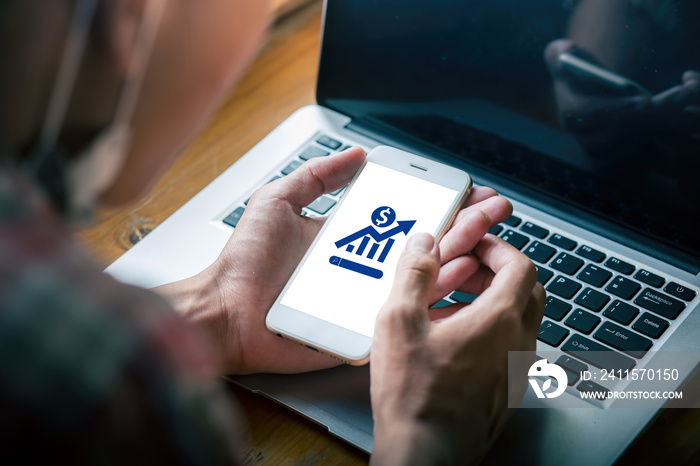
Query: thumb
(318, 176)
(416, 273)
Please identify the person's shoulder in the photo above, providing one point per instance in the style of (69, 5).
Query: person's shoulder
(84, 356)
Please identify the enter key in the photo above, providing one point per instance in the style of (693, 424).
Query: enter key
(623, 339)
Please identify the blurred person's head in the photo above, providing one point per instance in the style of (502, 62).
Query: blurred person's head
(199, 49)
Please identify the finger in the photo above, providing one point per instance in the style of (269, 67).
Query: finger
(316, 177)
(406, 308)
(496, 207)
(691, 75)
(513, 281)
(464, 235)
(534, 311)
(478, 194)
(552, 52)
(477, 281)
(677, 97)
(453, 274)
(439, 313)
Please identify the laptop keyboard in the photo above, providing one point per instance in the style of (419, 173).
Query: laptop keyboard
(599, 308)
(321, 146)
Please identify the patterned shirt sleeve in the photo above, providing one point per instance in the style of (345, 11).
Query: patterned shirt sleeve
(93, 371)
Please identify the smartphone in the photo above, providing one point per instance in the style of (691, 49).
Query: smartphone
(601, 75)
(332, 299)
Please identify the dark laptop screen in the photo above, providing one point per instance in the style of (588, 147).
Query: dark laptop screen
(594, 103)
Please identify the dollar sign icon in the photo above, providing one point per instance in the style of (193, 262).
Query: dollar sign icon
(383, 216)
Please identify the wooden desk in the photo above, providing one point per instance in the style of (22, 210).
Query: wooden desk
(280, 81)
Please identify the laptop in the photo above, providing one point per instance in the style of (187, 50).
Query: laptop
(603, 185)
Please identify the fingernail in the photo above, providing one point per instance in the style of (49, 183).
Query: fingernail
(420, 242)
(476, 216)
(480, 214)
(354, 147)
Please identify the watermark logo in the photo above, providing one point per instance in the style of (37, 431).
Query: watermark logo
(543, 368)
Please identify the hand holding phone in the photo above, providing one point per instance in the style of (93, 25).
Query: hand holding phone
(228, 301)
(331, 302)
(440, 389)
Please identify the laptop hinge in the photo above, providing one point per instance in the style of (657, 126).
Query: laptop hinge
(656, 249)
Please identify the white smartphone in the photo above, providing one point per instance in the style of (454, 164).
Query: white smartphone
(332, 299)
(602, 75)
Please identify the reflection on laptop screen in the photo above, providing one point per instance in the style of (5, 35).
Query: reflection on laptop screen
(593, 103)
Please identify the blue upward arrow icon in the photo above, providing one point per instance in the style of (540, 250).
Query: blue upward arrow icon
(404, 227)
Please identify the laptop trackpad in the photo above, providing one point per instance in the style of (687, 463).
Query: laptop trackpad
(336, 398)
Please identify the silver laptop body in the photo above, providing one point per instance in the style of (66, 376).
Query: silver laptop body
(567, 430)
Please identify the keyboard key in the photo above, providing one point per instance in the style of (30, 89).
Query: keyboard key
(566, 263)
(650, 325)
(564, 287)
(496, 229)
(313, 152)
(572, 367)
(619, 265)
(599, 392)
(322, 205)
(512, 221)
(329, 142)
(621, 312)
(233, 218)
(680, 291)
(659, 303)
(572, 377)
(338, 191)
(539, 252)
(543, 275)
(551, 333)
(562, 242)
(556, 308)
(596, 354)
(590, 253)
(623, 339)
(534, 230)
(592, 299)
(649, 278)
(594, 275)
(571, 364)
(463, 297)
(623, 287)
(274, 178)
(582, 321)
(291, 167)
(515, 239)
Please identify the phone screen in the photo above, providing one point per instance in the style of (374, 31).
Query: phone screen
(348, 275)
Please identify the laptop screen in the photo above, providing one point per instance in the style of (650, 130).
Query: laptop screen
(593, 103)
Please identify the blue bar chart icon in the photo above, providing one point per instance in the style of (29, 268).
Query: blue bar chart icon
(372, 242)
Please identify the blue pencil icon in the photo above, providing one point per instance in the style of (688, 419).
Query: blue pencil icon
(356, 267)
